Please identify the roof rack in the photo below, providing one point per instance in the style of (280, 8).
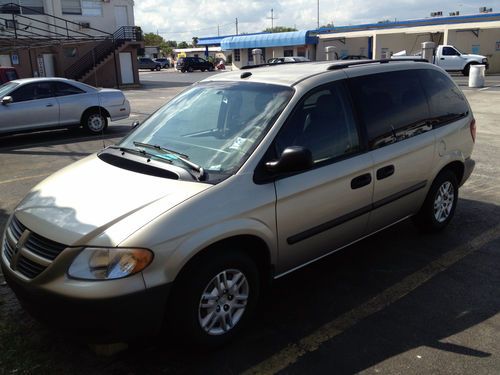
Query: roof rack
(364, 62)
(273, 64)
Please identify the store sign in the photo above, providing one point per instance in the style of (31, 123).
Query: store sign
(15, 59)
(41, 66)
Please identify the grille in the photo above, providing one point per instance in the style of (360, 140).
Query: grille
(35, 244)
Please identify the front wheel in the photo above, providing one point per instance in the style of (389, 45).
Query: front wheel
(158, 68)
(466, 70)
(440, 203)
(214, 298)
(94, 122)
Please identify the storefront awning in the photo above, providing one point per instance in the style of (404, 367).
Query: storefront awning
(292, 38)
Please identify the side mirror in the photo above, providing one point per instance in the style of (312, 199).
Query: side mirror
(293, 159)
(135, 124)
(7, 100)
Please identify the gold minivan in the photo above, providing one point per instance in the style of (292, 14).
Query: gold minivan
(240, 179)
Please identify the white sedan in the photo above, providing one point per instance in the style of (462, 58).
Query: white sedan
(42, 103)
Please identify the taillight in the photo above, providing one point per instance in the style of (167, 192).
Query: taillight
(472, 127)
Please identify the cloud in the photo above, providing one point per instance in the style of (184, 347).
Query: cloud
(202, 18)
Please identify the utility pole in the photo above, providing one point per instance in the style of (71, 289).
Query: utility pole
(236, 25)
(272, 18)
(218, 31)
(318, 14)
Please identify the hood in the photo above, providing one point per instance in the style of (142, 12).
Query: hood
(471, 56)
(94, 203)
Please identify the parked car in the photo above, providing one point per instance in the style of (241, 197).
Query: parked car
(450, 59)
(354, 57)
(147, 63)
(287, 59)
(7, 74)
(189, 64)
(164, 62)
(42, 103)
(240, 179)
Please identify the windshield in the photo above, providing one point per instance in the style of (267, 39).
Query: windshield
(214, 125)
(6, 88)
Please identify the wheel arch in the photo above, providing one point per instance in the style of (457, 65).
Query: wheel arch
(95, 108)
(457, 167)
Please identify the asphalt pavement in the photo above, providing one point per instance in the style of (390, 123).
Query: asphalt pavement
(399, 302)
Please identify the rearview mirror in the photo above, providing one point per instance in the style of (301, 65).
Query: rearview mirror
(135, 124)
(7, 100)
(293, 159)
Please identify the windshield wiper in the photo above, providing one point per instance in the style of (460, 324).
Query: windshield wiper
(177, 156)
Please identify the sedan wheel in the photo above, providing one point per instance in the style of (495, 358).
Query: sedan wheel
(95, 122)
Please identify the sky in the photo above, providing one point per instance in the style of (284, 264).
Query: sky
(181, 20)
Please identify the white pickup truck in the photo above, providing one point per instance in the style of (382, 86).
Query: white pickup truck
(450, 59)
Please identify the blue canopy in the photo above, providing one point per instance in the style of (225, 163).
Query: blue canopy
(292, 38)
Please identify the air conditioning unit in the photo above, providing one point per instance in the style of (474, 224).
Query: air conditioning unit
(485, 10)
(84, 25)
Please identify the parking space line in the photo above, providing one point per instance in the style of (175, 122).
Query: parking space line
(292, 353)
(23, 178)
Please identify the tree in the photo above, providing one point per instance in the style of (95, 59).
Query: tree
(279, 29)
(182, 45)
(152, 39)
(171, 43)
(195, 41)
(327, 26)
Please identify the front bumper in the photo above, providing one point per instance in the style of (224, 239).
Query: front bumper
(94, 320)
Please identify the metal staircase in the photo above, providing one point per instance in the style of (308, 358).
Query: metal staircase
(23, 27)
(103, 52)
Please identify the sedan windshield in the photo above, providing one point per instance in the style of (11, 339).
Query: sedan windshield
(6, 88)
(213, 125)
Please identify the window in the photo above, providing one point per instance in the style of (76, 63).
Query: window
(32, 91)
(323, 123)
(236, 55)
(92, 7)
(250, 56)
(288, 52)
(64, 89)
(446, 101)
(391, 104)
(71, 7)
(449, 51)
(31, 6)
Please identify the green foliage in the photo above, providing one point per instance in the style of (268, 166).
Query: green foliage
(153, 40)
(183, 45)
(279, 29)
(195, 41)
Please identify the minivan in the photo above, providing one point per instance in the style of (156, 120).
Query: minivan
(242, 178)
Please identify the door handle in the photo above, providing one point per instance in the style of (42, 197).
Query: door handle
(385, 172)
(49, 105)
(442, 58)
(361, 181)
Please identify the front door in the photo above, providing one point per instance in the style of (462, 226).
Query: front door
(327, 206)
(34, 106)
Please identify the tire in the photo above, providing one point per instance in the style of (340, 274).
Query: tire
(158, 68)
(211, 69)
(202, 69)
(94, 121)
(440, 203)
(206, 323)
(152, 70)
(183, 70)
(466, 70)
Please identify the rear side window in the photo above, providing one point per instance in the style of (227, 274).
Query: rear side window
(392, 105)
(446, 101)
(64, 89)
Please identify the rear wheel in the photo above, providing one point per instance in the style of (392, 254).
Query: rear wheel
(94, 121)
(214, 298)
(440, 203)
(158, 68)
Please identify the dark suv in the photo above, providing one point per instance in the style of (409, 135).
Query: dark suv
(193, 63)
(147, 63)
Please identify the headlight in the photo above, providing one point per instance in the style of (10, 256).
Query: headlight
(485, 60)
(109, 263)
